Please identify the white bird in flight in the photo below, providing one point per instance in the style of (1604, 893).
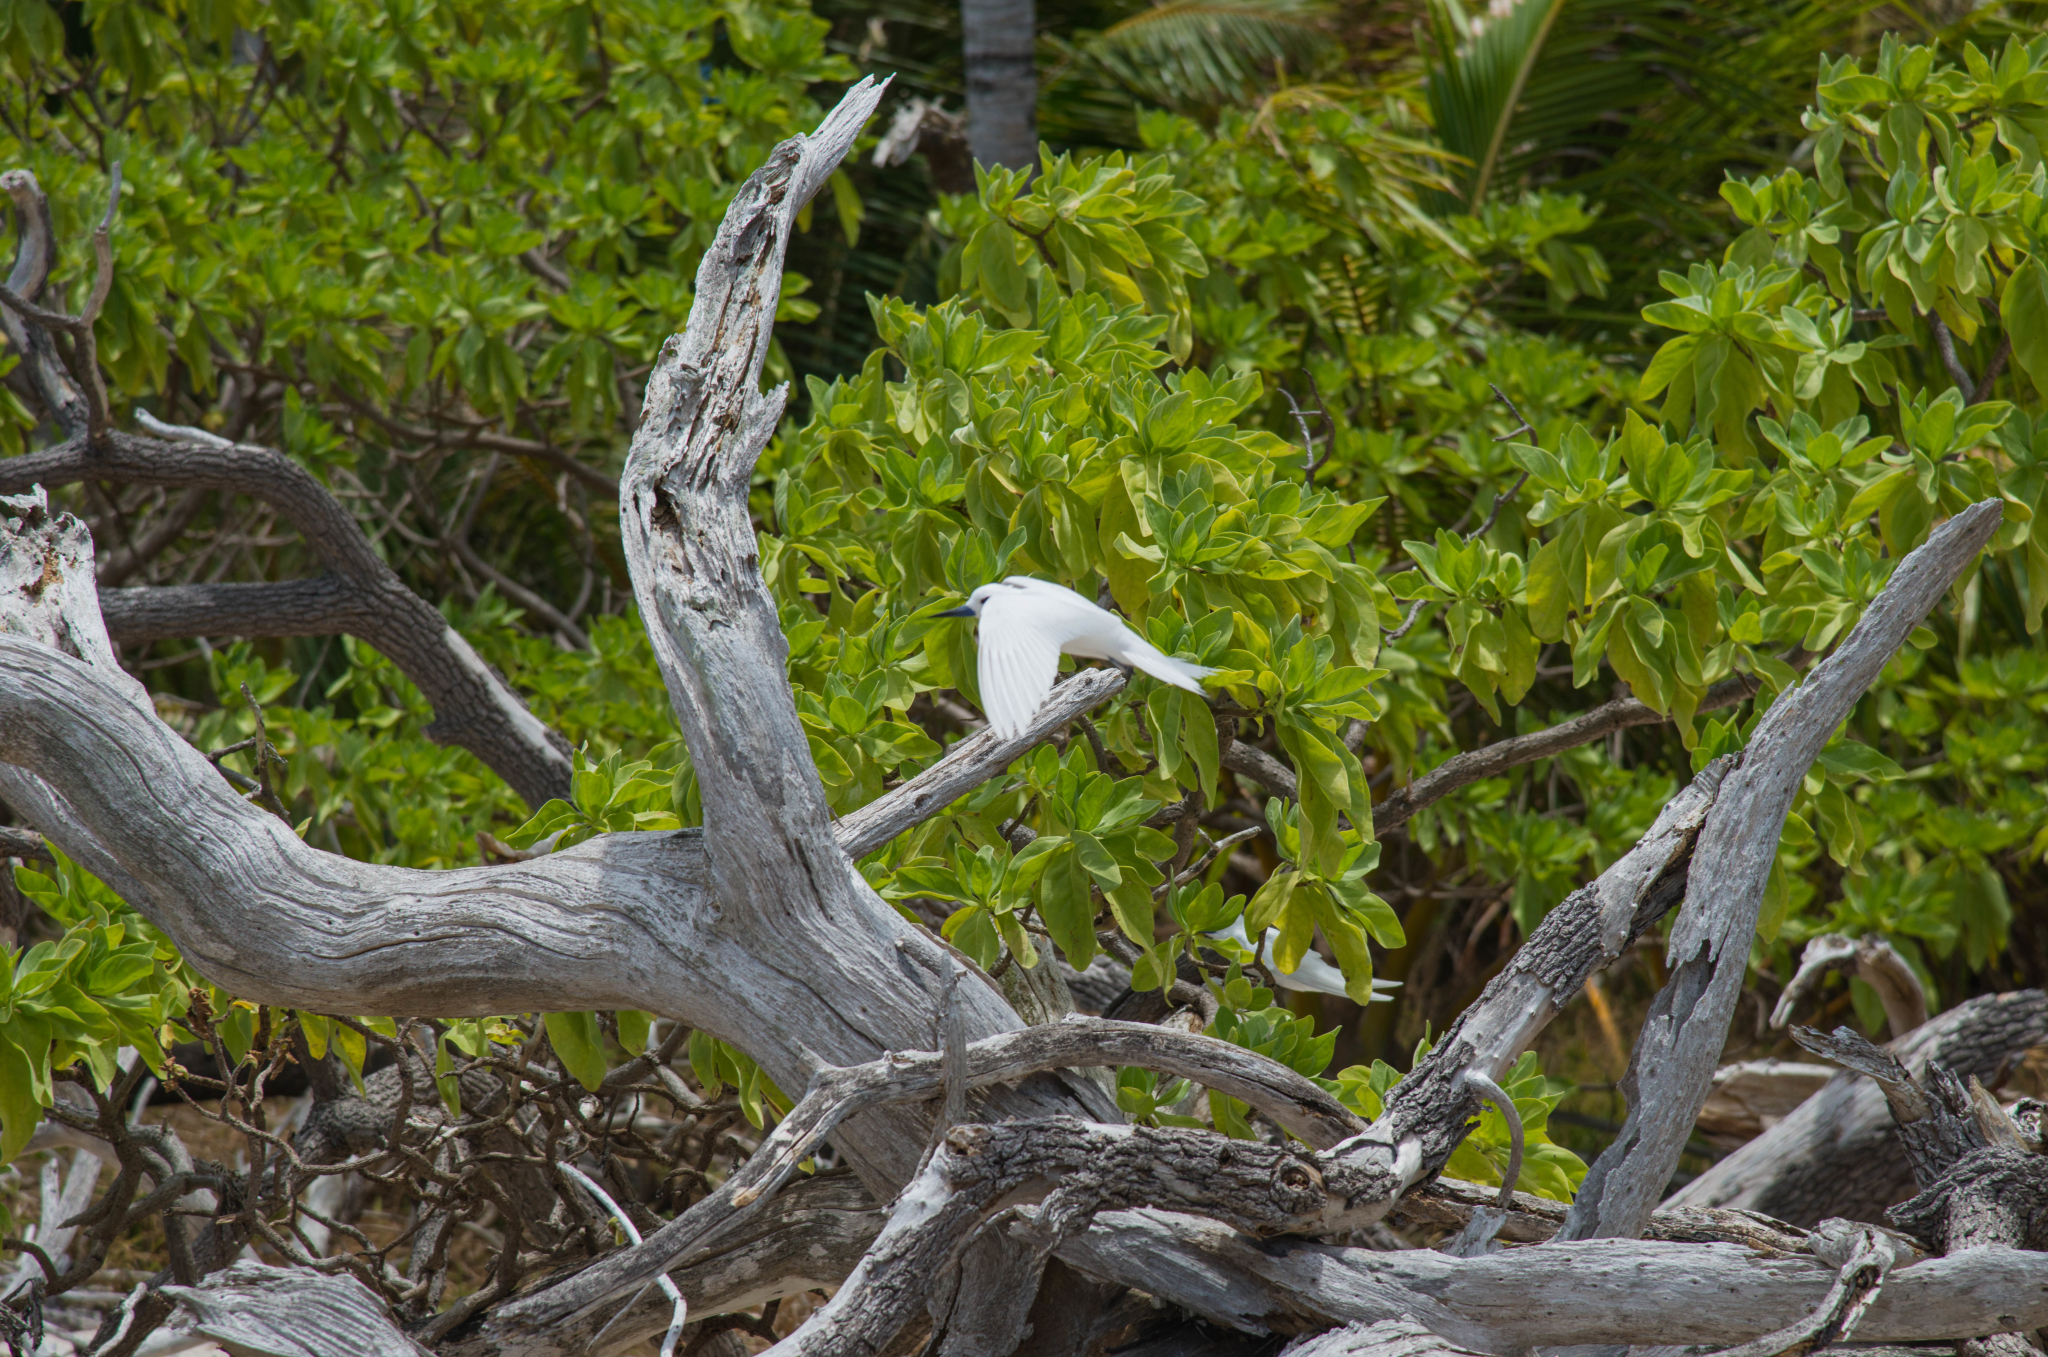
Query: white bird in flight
(1314, 975)
(1027, 623)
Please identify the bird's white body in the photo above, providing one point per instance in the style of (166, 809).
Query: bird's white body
(1026, 624)
(1314, 975)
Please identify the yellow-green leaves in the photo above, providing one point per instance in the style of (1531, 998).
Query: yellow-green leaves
(1103, 223)
(1303, 897)
(111, 980)
(610, 795)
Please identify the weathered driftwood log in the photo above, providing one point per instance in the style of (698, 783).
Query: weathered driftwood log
(1639, 1292)
(251, 1307)
(1751, 1096)
(1982, 1182)
(1838, 1154)
(1074, 1169)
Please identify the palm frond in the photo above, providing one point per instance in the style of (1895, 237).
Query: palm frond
(1201, 53)
(1477, 81)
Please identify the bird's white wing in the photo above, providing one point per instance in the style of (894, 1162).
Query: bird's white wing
(1018, 661)
(1082, 628)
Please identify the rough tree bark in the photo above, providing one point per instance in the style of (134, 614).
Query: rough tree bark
(759, 928)
(1837, 1153)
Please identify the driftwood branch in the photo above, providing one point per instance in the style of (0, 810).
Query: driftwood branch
(1672, 1066)
(1475, 765)
(359, 594)
(1640, 1292)
(968, 764)
(1838, 1153)
(1428, 1113)
(834, 1096)
(34, 253)
(1074, 1169)
(1876, 962)
(1448, 1203)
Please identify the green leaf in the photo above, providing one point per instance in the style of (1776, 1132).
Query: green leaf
(2024, 314)
(579, 1045)
(20, 1110)
(1066, 905)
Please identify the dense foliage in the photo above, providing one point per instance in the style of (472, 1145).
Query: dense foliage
(1258, 382)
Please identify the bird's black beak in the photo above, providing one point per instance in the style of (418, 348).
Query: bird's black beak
(962, 611)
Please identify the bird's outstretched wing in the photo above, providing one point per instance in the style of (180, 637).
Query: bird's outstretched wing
(1017, 664)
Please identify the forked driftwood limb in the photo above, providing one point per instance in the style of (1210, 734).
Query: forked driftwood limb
(1672, 1065)
(1073, 1170)
(359, 594)
(1876, 962)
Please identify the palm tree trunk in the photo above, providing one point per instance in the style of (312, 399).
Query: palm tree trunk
(999, 37)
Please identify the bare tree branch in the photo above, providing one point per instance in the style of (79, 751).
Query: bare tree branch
(359, 595)
(968, 764)
(1475, 765)
(34, 253)
(1672, 1066)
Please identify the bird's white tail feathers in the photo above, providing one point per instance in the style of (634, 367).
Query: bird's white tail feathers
(1164, 667)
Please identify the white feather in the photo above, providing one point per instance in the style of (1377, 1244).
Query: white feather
(1025, 626)
(1313, 976)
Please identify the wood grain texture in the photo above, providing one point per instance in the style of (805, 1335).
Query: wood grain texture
(263, 1311)
(1639, 1292)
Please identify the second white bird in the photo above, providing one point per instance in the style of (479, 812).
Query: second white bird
(1025, 626)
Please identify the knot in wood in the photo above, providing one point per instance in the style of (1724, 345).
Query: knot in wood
(1298, 1188)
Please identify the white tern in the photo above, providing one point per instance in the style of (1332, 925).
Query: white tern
(1027, 623)
(1314, 975)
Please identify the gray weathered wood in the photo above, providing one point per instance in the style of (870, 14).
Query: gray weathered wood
(835, 1095)
(1642, 1292)
(1388, 1338)
(1837, 1153)
(1448, 1203)
(1877, 963)
(1750, 1096)
(968, 764)
(1672, 1065)
(1427, 1113)
(263, 1311)
(1075, 1169)
(359, 594)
